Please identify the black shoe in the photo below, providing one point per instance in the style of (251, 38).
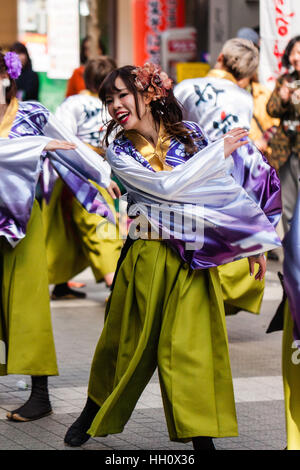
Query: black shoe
(37, 406)
(77, 435)
(203, 443)
(64, 292)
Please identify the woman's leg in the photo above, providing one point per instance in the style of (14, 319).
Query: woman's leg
(193, 361)
(63, 291)
(26, 329)
(126, 355)
(38, 405)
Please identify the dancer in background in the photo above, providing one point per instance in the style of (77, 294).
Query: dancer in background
(218, 104)
(76, 83)
(28, 81)
(27, 130)
(72, 239)
(166, 307)
(291, 331)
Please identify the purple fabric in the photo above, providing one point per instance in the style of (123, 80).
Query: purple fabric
(259, 179)
(291, 268)
(84, 191)
(30, 121)
(222, 243)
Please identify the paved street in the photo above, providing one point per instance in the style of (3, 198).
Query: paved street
(256, 367)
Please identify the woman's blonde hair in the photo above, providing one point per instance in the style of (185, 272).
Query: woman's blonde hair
(240, 57)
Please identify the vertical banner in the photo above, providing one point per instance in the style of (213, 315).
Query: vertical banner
(63, 37)
(279, 22)
(150, 19)
(218, 27)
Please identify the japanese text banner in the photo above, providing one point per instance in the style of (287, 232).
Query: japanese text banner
(279, 22)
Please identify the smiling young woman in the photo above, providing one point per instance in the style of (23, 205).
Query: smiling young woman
(166, 307)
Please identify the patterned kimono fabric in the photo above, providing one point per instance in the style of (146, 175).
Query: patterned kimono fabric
(240, 290)
(163, 314)
(26, 338)
(72, 240)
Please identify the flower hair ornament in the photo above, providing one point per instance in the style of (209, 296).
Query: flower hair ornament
(13, 64)
(150, 78)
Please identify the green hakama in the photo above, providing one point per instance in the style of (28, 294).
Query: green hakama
(240, 290)
(162, 314)
(26, 338)
(291, 381)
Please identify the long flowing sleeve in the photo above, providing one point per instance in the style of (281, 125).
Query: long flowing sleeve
(259, 179)
(82, 160)
(78, 168)
(20, 166)
(198, 206)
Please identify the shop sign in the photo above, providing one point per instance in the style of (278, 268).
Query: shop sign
(63, 37)
(150, 19)
(177, 45)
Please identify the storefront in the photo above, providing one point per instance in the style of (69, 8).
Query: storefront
(130, 31)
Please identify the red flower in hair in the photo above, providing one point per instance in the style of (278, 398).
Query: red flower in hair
(150, 78)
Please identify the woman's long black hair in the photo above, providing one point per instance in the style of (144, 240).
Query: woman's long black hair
(167, 109)
(286, 56)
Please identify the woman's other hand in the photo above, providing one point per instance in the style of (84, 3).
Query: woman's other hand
(232, 140)
(114, 190)
(59, 145)
(261, 261)
(285, 92)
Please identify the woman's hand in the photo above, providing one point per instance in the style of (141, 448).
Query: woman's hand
(113, 190)
(261, 261)
(232, 140)
(59, 145)
(285, 92)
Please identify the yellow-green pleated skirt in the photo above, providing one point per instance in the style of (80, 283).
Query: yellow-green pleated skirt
(162, 314)
(26, 338)
(73, 241)
(240, 290)
(291, 382)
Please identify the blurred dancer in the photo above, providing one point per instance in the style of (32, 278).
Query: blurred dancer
(218, 104)
(291, 331)
(72, 239)
(76, 83)
(28, 81)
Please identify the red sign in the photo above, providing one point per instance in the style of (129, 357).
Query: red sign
(182, 46)
(283, 24)
(150, 18)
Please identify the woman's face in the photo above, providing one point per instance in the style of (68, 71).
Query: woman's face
(294, 57)
(121, 107)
